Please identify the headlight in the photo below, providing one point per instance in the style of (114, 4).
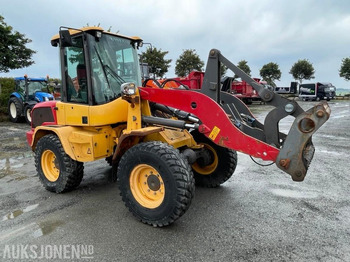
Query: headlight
(128, 89)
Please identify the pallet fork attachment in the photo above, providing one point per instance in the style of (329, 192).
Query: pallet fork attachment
(228, 122)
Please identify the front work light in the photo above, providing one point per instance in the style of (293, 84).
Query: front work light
(128, 89)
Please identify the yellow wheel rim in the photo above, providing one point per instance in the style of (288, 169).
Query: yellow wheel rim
(147, 186)
(208, 169)
(50, 165)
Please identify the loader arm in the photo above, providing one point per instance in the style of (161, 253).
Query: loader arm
(283, 106)
(228, 122)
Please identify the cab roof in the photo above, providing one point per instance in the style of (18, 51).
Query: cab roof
(31, 78)
(72, 32)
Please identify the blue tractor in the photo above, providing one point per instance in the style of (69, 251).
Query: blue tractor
(28, 92)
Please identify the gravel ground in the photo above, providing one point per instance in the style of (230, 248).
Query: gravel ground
(260, 214)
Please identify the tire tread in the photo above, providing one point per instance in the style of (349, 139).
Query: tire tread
(74, 170)
(180, 170)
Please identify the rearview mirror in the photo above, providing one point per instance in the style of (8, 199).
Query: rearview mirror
(65, 38)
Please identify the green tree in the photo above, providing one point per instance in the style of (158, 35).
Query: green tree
(13, 51)
(187, 62)
(301, 70)
(270, 73)
(243, 65)
(345, 68)
(155, 58)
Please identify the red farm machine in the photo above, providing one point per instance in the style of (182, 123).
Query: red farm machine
(194, 80)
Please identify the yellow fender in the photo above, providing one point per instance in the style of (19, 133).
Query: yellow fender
(82, 144)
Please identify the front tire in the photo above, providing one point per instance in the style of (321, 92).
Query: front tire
(28, 114)
(155, 183)
(57, 171)
(221, 166)
(14, 109)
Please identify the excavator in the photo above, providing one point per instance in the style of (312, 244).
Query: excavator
(160, 142)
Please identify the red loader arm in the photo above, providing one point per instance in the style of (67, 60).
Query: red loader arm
(229, 123)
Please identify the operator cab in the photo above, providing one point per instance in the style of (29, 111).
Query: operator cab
(95, 63)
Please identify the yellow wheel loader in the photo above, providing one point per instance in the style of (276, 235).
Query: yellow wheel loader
(160, 142)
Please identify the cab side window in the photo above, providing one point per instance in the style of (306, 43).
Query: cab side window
(75, 70)
(21, 86)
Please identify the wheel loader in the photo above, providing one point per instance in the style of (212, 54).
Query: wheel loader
(160, 142)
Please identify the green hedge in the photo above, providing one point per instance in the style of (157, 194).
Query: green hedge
(7, 87)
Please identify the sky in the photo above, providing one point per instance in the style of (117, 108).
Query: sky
(260, 31)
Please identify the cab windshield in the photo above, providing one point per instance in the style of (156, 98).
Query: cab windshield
(37, 86)
(33, 86)
(114, 61)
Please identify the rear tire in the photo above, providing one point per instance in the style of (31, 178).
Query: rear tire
(221, 168)
(14, 109)
(155, 183)
(57, 171)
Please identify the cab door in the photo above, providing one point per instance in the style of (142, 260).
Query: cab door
(74, 108)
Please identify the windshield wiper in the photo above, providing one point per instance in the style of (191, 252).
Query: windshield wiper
(110, 71)
(114, 74)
